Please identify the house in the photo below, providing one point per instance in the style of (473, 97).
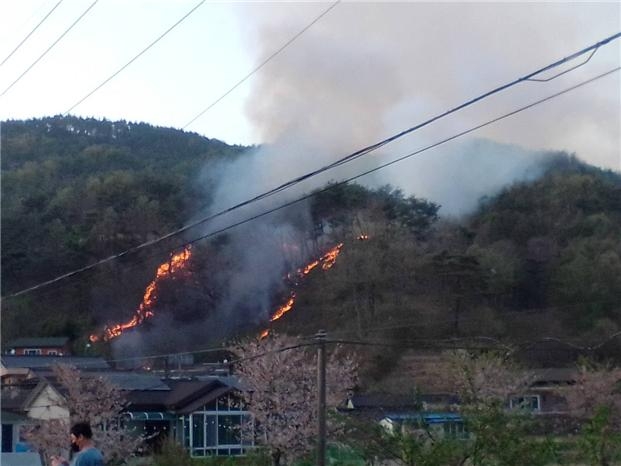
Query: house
(49, 346)
(27, 396)
(22, 405)
(13, 428)
(545, 399)
(444, 424)
(203, 413)
(399, 412)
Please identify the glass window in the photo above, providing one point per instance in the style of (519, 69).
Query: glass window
(186, 431)
(247, 430)
(455, 430)
(211, 431)
(235, 403)
(198, 431)
(223, 403)
(229, 430)
(7, 438)
(528, 403)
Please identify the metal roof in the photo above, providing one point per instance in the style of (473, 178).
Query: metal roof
(46, 362)
(38, 342)
(132, 380)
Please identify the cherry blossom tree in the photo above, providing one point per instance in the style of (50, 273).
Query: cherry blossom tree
(484, 382)
(595, 398)
(92, 399)
(282, 392)
(485, 378)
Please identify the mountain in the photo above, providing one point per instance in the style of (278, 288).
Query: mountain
(540, 258)
(75, 191)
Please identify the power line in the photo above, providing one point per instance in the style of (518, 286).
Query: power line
(448, 343)
(50, 47)
(416, 322)
(287, 204)
(31, 33)
(360, 175)
(262, 64)
(113, 75)
(438, 343)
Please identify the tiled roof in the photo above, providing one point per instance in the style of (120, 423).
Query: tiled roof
(133, 380)
(185, 395)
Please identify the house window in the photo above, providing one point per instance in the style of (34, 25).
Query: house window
(7, 438)
(52, 353)
(455, 430)
(32, 351)
(221, 428)
(530, 403)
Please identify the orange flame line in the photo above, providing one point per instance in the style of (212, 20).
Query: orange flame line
(176, 263)
(326, 261)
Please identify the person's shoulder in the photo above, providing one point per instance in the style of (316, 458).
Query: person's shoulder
(89, 457)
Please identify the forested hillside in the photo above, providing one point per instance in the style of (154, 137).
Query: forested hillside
(539, 262)
(78, 190)
(540, 259)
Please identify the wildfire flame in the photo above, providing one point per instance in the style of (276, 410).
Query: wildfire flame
(282, 310)
(176, 263)
(326, 261)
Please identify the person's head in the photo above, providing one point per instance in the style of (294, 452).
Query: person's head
(81, 435)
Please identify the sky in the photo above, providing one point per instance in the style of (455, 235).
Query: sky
(362, 72)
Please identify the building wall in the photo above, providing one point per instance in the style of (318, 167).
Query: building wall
(48, 405)
(57, 351)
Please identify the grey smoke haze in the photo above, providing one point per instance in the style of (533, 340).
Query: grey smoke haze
(369, 70)
(458, 176)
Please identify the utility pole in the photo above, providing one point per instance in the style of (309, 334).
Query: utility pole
(320, 337)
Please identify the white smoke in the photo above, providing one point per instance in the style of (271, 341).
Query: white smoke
(369, 70)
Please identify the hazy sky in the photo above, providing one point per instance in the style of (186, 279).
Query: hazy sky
(361, 73)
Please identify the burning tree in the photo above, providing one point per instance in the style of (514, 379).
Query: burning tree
(280, 377)
(92, 399)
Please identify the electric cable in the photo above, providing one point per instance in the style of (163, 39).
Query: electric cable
(400, 159)
(113, 75)
(30, 33)
(262, 64)
(307, 196)
(50, 47)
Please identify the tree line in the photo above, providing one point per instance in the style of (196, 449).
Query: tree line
(540, 258)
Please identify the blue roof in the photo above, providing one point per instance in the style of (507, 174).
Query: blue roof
(429, 418)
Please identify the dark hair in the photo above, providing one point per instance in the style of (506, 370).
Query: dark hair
(82, 428)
